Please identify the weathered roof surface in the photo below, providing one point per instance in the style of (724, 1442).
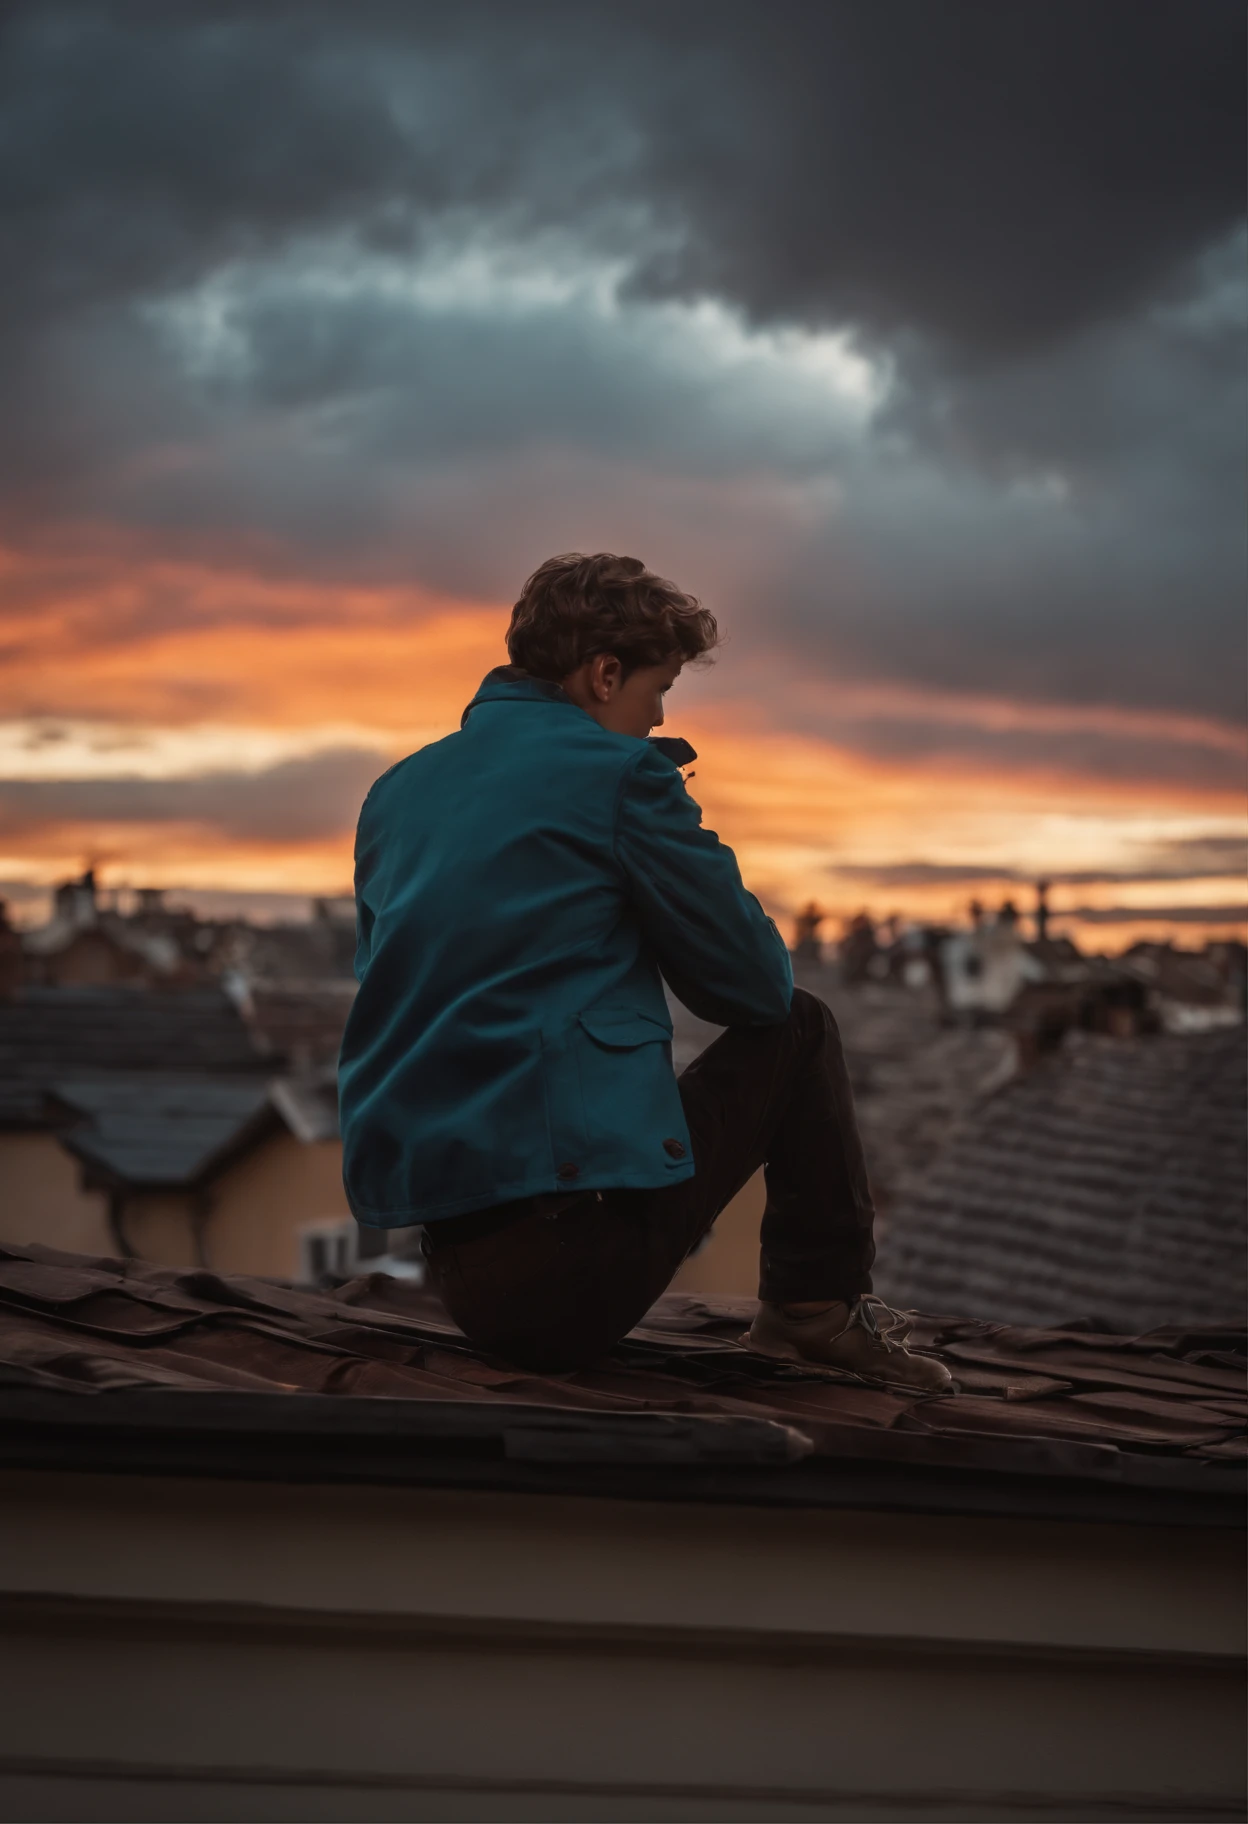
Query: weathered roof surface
(323, 946)
(1108, 1182)
(300, 1020)
(308, 1104)
(372, 1382)
(1211, 979)
(914, 1079)
(51, 1034)
(156, 1129)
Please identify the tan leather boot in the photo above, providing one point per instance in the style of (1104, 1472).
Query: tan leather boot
(852, 1340)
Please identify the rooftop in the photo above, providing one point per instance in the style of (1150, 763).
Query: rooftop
(145, 1130)
(1108, 1181)
(299, 1020)
(150, 1129)
(914, 1079)
(50, 1035)
(123, 1366)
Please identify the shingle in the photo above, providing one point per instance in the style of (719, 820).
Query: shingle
(156, 1130)
(48, 1034)
(913, 1079)
(1108, 1180)
(309, 1105)
(300, 1020)
(1166, 1410)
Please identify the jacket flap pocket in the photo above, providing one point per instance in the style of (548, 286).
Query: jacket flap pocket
(621, 1029)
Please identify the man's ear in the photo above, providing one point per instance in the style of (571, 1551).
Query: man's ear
(605, 676)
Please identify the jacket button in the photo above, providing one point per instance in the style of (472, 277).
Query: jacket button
(569, 1171)
(674, 1149)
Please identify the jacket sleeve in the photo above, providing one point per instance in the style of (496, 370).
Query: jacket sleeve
(363, 911)
(718, 950)
(363, 938)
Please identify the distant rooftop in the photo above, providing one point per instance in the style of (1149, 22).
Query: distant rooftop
(298, 1019)
(1107, 1182)
(141, 1131)
(51, 1035)
(147, 1130)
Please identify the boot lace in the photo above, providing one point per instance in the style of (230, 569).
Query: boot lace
(885, 1326)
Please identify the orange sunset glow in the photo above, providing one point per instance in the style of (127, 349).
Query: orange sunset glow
(262, 672)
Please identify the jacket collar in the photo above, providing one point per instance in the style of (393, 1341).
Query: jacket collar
(508, 684)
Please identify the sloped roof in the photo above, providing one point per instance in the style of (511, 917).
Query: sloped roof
(308, 1104)
(1108, 1182)
(150, 1130)
(1179, 975)
(913, 1078)
(155, 947)
(300, 1020)
(51, 1034)
(321, 947)
(118, 1364)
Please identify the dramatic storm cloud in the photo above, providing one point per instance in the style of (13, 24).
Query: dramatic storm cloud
(1000, 176)
(910, 335)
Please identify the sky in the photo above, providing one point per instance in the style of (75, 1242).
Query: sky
(909, 337)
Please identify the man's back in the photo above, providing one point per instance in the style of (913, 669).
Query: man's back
(524, 888)
(520, 885)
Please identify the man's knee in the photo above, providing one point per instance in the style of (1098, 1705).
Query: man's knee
(814, 1025)
(810, 1014)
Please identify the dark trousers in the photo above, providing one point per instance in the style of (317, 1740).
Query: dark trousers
(554, 1283)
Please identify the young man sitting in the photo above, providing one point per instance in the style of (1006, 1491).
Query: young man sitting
(524, 889)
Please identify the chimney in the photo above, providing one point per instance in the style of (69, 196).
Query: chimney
(75, 899)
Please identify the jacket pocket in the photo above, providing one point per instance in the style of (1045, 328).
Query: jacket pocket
(621, 1029)
(635, 1123)
(612, 1101)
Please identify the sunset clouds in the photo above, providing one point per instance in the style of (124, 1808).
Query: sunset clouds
(910, 338)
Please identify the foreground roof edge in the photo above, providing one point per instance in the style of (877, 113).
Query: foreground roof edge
(315, 1439)
(120, 1366)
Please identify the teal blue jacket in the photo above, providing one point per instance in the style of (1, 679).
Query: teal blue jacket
(522, 889)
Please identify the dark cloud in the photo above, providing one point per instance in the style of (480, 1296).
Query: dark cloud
(1173, 915)
(1025, 212)
(303, 800)
(1066, 526)
(1190, 857)
(924, 873)
(1206, 857)
(951, 874)
(996, 175)
(1170, 756)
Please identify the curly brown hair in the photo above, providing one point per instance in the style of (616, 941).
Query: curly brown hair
(574, 607)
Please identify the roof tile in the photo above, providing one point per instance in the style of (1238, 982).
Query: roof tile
(1111, 1179)
(1055, 1403)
